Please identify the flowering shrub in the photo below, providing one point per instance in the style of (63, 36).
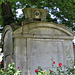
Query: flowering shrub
(59, 70)
(11, 70)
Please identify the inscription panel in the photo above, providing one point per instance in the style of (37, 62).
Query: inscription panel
(41, 51)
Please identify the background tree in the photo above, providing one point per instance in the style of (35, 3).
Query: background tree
(62, 10)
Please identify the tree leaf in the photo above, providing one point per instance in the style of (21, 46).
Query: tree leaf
(1, 2)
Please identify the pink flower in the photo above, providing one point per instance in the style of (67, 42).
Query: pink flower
(0, 62)
(60, 64)
(36, 70)
(17, 67)
(53, 62)
(11, 59)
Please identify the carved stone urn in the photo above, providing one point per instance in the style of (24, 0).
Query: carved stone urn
(35, 14)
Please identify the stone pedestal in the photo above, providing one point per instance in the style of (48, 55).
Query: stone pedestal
(34, 43)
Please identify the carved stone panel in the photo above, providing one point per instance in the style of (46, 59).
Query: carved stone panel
(41, 51)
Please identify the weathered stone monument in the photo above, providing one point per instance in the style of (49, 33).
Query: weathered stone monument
(35, 42)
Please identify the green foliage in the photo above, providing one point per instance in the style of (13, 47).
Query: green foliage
(11, 70)
(1, 2)
(0, 16)
(64, 10)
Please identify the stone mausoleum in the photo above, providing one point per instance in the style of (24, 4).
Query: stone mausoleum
(35, 42)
